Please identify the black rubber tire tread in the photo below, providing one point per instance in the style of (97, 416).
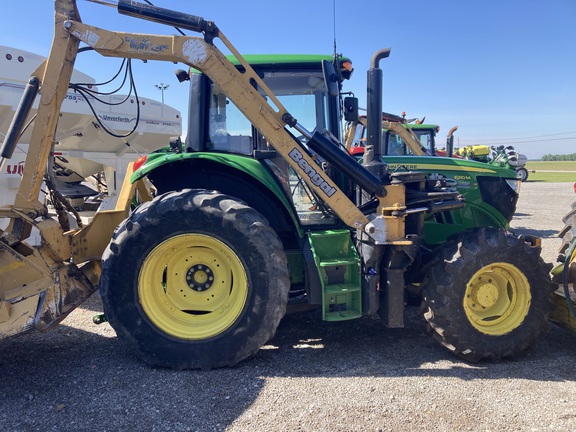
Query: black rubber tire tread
(445, 287)
(220, 216)
(568, 233)
(522, 174)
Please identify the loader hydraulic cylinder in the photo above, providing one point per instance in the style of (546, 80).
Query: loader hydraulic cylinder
(20, 116)
(165, 16)
(330, 151)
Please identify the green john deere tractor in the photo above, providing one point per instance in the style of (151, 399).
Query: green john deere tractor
(485, 291)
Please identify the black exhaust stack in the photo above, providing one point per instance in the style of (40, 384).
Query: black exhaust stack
(450, 142)
(373, 152)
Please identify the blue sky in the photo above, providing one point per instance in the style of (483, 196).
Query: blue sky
(503, 71)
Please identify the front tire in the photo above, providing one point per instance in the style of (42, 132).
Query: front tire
(194, 279)
(488, 295)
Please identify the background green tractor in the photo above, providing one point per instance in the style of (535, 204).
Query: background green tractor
(395, 145)
(490, 191)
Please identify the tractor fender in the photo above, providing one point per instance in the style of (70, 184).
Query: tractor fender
(248, 179)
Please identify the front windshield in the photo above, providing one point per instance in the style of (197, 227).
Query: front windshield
(303, 95)
(397, 147)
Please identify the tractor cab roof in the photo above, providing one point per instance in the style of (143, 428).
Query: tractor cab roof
(290, 61)
(424, 126)
(413, 126)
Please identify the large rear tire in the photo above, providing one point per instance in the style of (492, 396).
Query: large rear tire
(194, 279)
(488, 295)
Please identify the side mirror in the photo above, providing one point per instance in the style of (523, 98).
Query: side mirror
(330, 78)
(181, 75)
(351, 112)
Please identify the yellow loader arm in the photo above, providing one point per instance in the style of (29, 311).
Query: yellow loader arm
(406, 133)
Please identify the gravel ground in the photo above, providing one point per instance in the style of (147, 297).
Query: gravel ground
(313, 376)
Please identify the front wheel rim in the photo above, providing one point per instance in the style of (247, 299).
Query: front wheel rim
(192, 286)
(497, 299)
(521, 175)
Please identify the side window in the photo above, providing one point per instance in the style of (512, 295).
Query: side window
(229, 130)
(395, 145)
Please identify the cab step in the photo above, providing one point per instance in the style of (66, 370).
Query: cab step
(338, 266)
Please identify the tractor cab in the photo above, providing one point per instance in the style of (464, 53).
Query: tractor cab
(221, 140)
(216, 125)
(396, 145)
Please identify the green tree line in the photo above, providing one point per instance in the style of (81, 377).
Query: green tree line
(563, 157)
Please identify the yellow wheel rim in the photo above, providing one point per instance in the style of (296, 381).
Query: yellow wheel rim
(497, 299)
(192, 286)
